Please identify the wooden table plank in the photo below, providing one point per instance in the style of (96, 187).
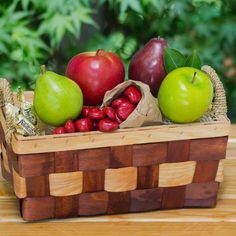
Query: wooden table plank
(117, 229)
(228, 186)
(225, 211)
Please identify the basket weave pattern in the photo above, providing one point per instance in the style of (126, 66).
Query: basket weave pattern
(120, 179)
(174, 167)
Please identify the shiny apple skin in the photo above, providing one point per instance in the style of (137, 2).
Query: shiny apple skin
(96, 73)
(183, 100)
(147, 65)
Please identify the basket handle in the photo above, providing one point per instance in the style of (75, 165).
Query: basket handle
(219, 104)
(6, 96)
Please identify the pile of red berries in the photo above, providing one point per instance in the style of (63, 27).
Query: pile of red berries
(104, 119)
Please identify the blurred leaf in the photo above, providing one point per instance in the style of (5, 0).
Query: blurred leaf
(173, 59)
(25, 4)
(133, 4)
(3, 48)
(193, 60)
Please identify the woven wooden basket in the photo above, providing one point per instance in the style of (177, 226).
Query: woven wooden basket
(130, 170)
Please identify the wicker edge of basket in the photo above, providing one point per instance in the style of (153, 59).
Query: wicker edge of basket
(218, 108)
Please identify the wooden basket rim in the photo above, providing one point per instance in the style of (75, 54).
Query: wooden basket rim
(129, 136)
(223, 120)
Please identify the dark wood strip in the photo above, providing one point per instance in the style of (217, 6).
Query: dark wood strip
(148, 177)
(210, 202)
(149, 154)
(208, 149)
(12, 158)
(37, 186)
(121, 156)
(38, 208)
(173, 197)
(198, 191)
(205, 171)
(146, 199)
(65, 162)
(36, 164)
(94, 159)
(93, 181)
(118, 202)
(93, 203)
(178, 151)
(66, 206)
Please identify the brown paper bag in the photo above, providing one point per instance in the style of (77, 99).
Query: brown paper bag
(147, 111)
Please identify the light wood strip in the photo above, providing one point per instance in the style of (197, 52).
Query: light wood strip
(231, 149)
(6, 189)
(78, 141)
(227, 187)
(232, 133)
(121, 179)
(3, 121)
(19, 185)
(5, 159)
(117, 229)
(220, 172)
(66, 184)
(176, 174)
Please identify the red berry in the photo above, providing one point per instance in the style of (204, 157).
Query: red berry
(84, 125)
(132, 94)
(58, 130)
(85, 111)
(95, 125)
(124, 110)
(117, 102)
(106, 125)
(69, 126)
(118, 120)
(96, 114)
(110, 112)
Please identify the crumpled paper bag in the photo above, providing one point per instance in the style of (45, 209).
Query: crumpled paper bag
(147, 111)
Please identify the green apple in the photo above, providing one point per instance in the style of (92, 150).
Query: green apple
(57, 98)
(185, 95)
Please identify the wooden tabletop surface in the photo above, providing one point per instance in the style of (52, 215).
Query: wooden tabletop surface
(217, 221)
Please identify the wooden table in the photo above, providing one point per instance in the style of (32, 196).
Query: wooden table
(217, 221)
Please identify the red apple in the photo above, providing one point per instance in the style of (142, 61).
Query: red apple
(96, 73)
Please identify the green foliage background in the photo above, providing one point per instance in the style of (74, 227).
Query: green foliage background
(34, 32)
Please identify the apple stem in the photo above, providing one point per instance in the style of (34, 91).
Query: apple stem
(194, 77)
(100, 52)
(42, 69)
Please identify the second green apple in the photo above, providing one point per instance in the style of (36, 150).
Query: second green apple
(185, 95)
